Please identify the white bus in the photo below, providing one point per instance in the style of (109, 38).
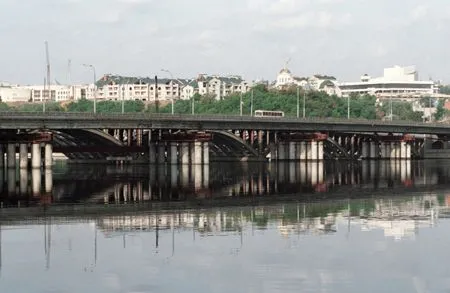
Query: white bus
(265, 113)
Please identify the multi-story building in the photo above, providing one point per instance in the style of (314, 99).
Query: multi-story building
(14, 93)
(316, 82)
(221, 87)
(397, 81)
(143, 89)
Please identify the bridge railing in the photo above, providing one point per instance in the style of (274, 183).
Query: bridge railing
(190, 117)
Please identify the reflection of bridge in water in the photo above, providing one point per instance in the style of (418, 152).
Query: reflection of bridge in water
(122, 184)
(399, 218)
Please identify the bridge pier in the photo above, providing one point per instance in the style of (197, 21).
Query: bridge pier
(184, 153)
(36, 181)
(281, 151)
(292, 153)
(308, 151)
(35, 155)
(197, 153)
(320, 150)
(11, 181)
(152, 153)
(23, 156)
(373, 150)
(314, 153)
(173, 153)
(11, 156)
(23, 181)
(161, 153)
(48, 155)
(206, 153)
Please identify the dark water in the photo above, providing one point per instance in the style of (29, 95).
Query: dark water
(378, 227)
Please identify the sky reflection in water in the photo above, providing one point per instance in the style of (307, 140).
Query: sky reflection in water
(372, 245)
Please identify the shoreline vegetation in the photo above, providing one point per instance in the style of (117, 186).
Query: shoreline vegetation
(317, 105)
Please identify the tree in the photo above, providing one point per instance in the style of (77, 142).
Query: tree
(440, 110)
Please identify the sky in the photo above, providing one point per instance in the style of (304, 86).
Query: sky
(252, 38)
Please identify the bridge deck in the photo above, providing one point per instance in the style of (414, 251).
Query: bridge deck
(34, 120)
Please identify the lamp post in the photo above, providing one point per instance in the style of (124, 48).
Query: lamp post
(304, 103)
(348, 107)
(171, 87)
(251, 104)
(95, 87)
(298, 102)
(123, 99)
(240, 105)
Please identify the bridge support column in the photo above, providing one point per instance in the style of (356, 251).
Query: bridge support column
(394, 150)
(408, 151)
(48, 179)
(35, 155)
(303, 150)
(23, 181)
(184, 153)
(388, 150)
(11, 155)
(206, 152)
(23, 156)
(48, 155)
(173, 153)
(320, 152)
(11, 181)
(161, 152)
(36, 181)
(197, 153)
(297, 150)
(152, 153)
(373, 150)
(281, 151)
(309, 151)
(314, 153)
(364, 149)
(292, 155)
(383, 154)
(2, 154)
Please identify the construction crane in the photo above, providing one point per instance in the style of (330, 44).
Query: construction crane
(48, 71)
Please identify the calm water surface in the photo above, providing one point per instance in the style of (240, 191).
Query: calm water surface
(331, 228)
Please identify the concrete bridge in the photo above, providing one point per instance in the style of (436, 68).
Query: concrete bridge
(197, 139)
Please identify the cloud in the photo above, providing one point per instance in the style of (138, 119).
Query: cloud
(419, 12)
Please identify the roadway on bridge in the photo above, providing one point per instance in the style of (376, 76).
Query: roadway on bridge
(23, 120)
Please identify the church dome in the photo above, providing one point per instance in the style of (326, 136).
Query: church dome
(285, 70)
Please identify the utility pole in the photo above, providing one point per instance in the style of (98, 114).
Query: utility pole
(156, 94)
(43, 95)
(251, 104)
(304, 103)
(240, 105)
(123, 99)
(348, 107)
(47, 55)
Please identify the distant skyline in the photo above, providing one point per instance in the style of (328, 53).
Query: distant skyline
(252, 38)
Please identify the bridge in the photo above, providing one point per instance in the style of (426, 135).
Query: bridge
(191, 139)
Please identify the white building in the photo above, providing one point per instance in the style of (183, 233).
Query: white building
(396, 82)
(220, 86)
(316, 82)
(14, 93)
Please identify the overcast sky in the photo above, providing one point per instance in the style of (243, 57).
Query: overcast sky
(252, 38)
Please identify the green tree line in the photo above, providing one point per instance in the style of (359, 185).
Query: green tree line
(312, 103)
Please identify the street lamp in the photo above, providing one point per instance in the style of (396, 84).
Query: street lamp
(348, 107)
(298, 102)
(171, 87)
(304, 103)
(95, 87)
(123, 99)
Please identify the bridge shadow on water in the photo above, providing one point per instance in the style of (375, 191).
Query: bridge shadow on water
(232, 183)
